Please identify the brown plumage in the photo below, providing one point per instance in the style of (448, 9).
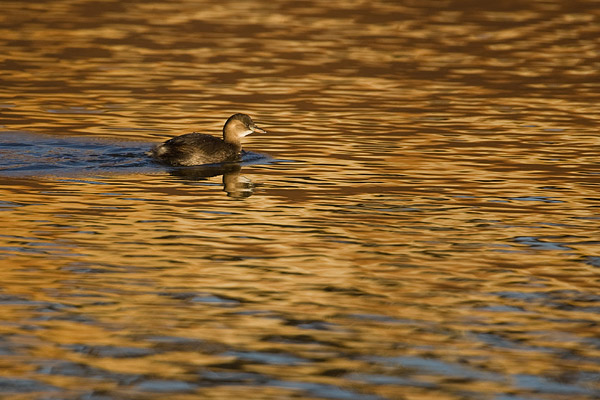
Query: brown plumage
(199, 148)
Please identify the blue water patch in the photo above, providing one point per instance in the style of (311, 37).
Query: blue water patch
(8, 205)
(69, 368)
(379, 318)
(526, 296)
(14, 385)
(542, 384)
(592, 260)
(377, 379)
(112, 351)
(266, 358)
(437, 367)
(543, 199)
(213, 299)
(165, 386)
(537, 244)
(27, 154)
(24, 154)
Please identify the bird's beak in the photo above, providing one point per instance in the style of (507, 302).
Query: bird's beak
(257, 129)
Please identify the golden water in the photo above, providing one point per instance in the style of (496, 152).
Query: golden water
(425, 225)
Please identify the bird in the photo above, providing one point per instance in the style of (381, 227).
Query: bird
(199, 148)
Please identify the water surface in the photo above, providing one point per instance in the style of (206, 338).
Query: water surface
(421, 221)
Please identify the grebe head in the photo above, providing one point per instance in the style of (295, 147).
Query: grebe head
(238, 126)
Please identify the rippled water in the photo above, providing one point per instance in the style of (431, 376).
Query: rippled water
(421, 221)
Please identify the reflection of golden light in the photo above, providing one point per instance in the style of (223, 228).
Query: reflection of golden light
(425, 143)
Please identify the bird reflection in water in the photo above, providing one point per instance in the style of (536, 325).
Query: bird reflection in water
(234, 183)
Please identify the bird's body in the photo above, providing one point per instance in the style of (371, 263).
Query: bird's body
(196, 149)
